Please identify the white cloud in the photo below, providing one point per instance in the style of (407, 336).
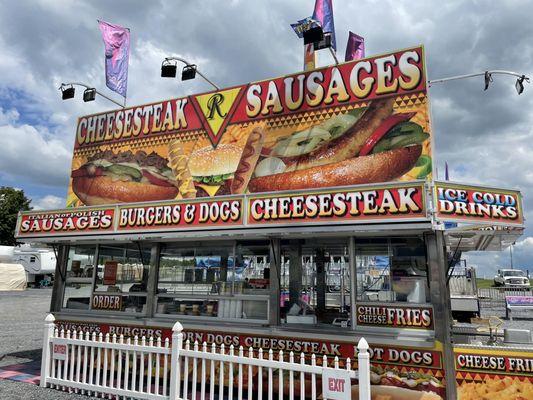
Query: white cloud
(48, 202)
(29, 155)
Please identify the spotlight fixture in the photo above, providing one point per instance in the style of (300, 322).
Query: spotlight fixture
(324, 43)
(519, 85)
(488, 79)
(313, 35)
(188, 72)
(168, 69)
(89, 94)
(67, 92)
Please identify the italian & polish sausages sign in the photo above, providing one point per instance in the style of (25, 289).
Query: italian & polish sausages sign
(477, 204)
(358, 123)
(63, 222)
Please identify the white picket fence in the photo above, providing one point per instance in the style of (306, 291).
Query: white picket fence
(148, 368)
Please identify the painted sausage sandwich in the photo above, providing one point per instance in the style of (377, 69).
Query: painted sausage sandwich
(124, 177)
(360, 147)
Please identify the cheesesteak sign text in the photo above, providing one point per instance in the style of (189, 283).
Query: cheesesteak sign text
(348, 205)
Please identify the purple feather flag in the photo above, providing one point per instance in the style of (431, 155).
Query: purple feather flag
(117, 54)
(324, 14)
(355, 48)
(446, 173)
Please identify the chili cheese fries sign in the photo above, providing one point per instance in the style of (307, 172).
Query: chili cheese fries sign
(478, 204)
(394, 316)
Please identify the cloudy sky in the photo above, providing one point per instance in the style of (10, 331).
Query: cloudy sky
(486, 137)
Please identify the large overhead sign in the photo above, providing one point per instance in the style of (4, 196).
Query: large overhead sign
(399, 202)
(362, 122)
(477, 204)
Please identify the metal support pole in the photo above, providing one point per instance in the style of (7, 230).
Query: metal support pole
(493, 72)
(151, 288)
(275, 277)
(440, 298)
(353, 280)
(334, 55)
(60, 273)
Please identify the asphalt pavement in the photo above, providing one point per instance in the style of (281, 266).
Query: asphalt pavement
(21, 335)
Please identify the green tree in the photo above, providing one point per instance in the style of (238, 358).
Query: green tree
(11, 202)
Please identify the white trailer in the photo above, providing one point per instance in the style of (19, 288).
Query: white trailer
(39, 263)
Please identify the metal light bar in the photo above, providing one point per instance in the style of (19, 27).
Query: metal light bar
(96, 91)
(188, 64)
(488, 78)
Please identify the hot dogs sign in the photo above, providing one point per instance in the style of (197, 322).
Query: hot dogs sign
(361, 122)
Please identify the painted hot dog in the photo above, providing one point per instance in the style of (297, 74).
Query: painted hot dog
(350, 143)
(380, 167)
(378, 147)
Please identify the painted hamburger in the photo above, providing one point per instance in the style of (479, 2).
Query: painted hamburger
(213, 170)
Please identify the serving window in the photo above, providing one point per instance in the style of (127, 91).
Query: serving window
(315, 282)
(79, 277)
(123, 271)
(227, 280)
(391, 270)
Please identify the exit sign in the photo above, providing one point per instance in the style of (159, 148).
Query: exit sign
(336, 384)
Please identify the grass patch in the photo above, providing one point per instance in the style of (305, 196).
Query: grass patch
(484, 283)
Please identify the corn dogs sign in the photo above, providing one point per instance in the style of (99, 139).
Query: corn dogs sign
(361, 122)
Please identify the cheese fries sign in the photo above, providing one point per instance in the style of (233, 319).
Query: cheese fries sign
(361, 122)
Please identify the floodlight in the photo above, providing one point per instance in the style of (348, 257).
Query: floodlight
(89, 94)
(168, 69)
(324, 43)
(67, 92)
(189, 72)
(488, 79)
(519, 85)
(313, 35)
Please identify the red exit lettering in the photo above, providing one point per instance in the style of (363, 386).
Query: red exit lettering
(336, 385)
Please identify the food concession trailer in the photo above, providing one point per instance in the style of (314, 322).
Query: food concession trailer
(296, 214)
